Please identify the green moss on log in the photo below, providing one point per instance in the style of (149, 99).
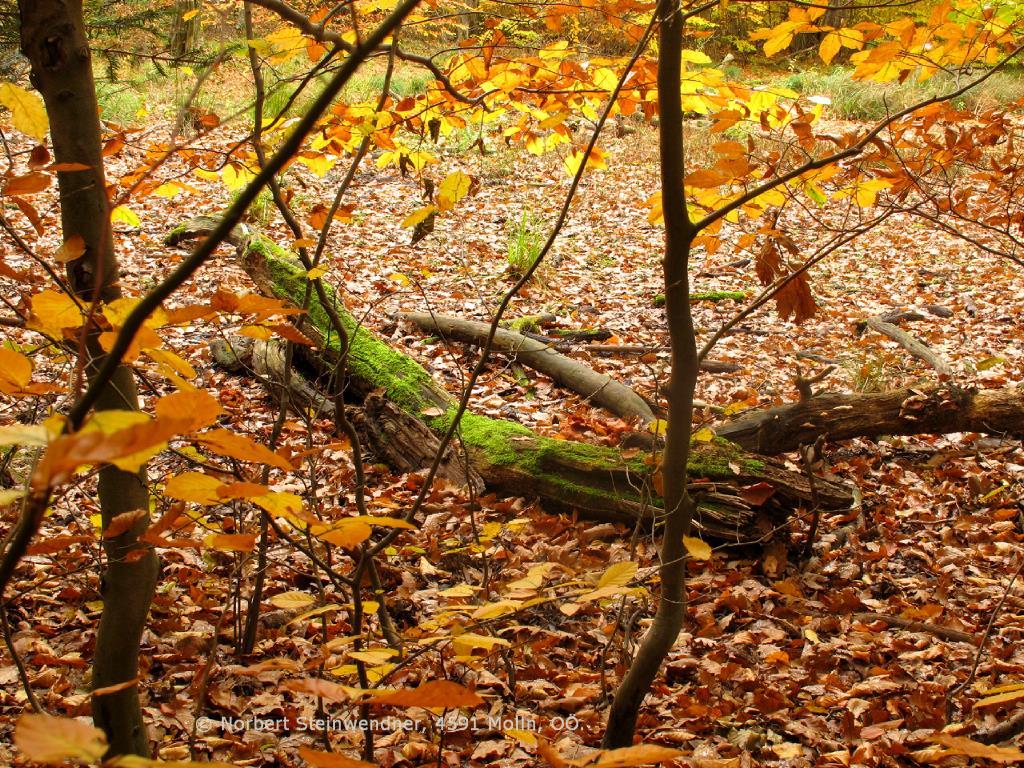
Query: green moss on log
(659, 300)
(404, 380)
(503, 443)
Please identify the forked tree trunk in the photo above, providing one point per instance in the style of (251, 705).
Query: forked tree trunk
(600, 483)
(53, 39)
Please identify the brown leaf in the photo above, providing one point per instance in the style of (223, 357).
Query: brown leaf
(435, 693)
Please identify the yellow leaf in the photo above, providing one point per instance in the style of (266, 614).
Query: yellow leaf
(10, 495)
(829, 47)
(435, 693)
(658, 427)
(399, 278)
(317, 272)
(149, 438)
(618, 574)
(278, 504)
(53, 311)
(499, 608)
(778, 43)
(1000, 698)
(125, 215)
(23, 434)
(696, 548)
(704, 435)
(696, 57)
(190, 14)
(195, 487)
(27, 110)
(231, 542)
(454, 187)
(292, 601)
(348, 534)
(47, 739)
(419, 215)
(462, 590)
(171, 361)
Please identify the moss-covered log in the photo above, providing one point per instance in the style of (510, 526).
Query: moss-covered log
(599, 482)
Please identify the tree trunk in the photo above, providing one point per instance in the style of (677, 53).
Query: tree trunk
(184, 34)
(53, 39)
(680, 505)
(926, 410)
(600, 483)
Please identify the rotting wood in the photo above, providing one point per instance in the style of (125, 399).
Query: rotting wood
(599, 483)
(938, 409)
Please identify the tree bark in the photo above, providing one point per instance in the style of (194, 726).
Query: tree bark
(600, 483)
(680, 506)
(53, 39)
(602, 390)
(926, 410)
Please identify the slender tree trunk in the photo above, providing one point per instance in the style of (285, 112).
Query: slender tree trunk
(185, 34)
(53, 39)
(679, 234)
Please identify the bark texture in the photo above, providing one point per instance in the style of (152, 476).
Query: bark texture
(926, 410)
(53, 39)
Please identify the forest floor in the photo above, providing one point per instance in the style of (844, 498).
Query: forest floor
(778, 664)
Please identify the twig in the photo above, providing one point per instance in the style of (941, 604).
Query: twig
(18, 663)
(981, 646)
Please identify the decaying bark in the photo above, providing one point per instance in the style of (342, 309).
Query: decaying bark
(600, 483)
(927, 410)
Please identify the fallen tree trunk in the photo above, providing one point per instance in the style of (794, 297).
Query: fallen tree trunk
(600, 389)
(600, 483)
(929, 410)
(914, 346)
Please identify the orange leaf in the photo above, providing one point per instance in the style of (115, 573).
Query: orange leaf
(28, 184)
(124, 523)
(72, 249)
(228, 443)
(195, 409)
(330, 759)
(436, 693)
(231, 542)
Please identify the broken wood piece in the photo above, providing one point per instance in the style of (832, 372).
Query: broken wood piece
(914, 346)
(266, 359)
(602, 390)
(932, 410)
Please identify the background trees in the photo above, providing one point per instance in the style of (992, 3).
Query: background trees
(741, 167)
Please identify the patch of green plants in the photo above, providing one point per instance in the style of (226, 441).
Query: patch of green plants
(862, 100)
(262, 210)
(525, 240)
